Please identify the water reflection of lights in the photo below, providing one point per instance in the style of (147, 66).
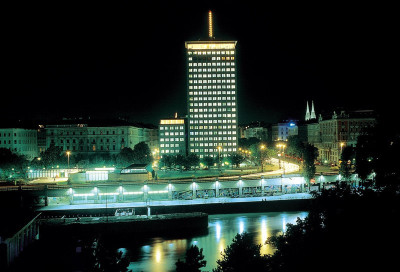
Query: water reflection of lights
(221, 247)
(218, 230)
(264, 234)
(241, 226)
(284, 224)
(158, 252)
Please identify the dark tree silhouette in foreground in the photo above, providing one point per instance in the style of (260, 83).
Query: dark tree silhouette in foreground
(193, 262)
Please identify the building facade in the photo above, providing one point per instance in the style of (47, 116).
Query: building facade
(173, 136)
(20, 141)
(260, 133)
(212, 96)
(81, 138)
(330, 136)
(282, 131)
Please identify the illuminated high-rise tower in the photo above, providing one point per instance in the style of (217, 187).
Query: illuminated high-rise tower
(212, 96)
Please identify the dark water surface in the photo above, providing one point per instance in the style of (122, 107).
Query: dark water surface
(159, 253)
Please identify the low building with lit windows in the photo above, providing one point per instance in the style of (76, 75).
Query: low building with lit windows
(173, 136)
(20, 141)
(99, 138)
(332, 135)
(282, 131)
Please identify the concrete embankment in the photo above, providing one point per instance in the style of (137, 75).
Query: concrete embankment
(123, 225)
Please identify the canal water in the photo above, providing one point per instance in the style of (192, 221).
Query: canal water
(159, 253)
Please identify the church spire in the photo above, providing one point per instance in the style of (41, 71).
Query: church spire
(308, 112)
(312, 116)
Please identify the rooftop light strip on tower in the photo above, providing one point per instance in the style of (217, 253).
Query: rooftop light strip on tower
(210, 25)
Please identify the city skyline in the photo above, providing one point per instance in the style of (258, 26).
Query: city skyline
(98, 60)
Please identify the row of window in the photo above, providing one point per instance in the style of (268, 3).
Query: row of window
(23, 134)
(169, 145)
(211, 98)
(201, 64)
(212, 92)
(224, 115)
(213, 127)
(88, 141)
(202, 58)
(210, 70)
(213, 104)
(31, 142)
(91, 148)
(172, 133)
(212, 121)
(172, 128)
(171, 151)
(172, 139)
(212, 52)
(209, 139)
(213, 150)
(200, 81)
(210, 75)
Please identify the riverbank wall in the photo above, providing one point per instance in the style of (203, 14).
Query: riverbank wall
(123, 226)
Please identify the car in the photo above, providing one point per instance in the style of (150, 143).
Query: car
(125, 212)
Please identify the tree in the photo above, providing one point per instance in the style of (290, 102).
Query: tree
(346, 162)
(192, 160)
(235, 159)
(310, 154)
(142, 153)
(11, 164)
(100, 259)
(333, 235)
(167, 161)
(208, 161)
(295, 146)
(179, 161)
(125, 157)
(53, 156)
(241, 255)
(194, 260)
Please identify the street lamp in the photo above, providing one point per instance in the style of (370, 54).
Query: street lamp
(68, 153)
(219, 155)
(262, 147)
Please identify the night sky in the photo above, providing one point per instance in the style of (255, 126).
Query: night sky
(124, 59)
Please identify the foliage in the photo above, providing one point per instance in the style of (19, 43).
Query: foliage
(208, 161)
(346, 162)
(125, 157)
(337, 234)
(192, 160)
(142, 153)
(235, 159)
(167, 161)
(295, 146)
(11, 164)
(53, 156)
(247, 142)
(310, 154)
(241, 255)
(194, 260)
(99, 259)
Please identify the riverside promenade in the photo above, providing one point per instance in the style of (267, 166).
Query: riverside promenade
(177, 204)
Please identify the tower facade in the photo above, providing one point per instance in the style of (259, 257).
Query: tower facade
(212, 96)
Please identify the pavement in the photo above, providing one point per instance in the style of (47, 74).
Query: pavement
(199, 201)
